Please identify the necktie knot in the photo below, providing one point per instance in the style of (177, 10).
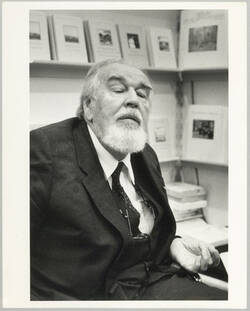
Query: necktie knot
(116, 173)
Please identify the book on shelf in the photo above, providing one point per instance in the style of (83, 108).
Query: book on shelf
(205, 136)
(38, 36)
(203, 40)
(67, 38)
(161, 48)
(199, 229)
(187, 205)
(192, 198)
(187, 215)
(133, 44)
(183, 190)
(187, 210)
(102, 40)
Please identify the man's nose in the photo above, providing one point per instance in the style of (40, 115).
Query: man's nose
(132, 98)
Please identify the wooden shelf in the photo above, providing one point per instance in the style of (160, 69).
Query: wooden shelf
(204, 70)
(55, 67)
(173, 159)
(204, 162)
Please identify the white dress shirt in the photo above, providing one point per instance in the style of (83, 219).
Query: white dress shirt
(127, 181)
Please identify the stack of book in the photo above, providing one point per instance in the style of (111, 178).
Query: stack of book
(186, 200)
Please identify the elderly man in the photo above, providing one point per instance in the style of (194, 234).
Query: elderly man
(101, 226)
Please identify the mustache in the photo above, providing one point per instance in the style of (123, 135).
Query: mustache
(134, 115)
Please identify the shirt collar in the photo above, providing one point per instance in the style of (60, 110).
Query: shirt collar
(108, 162)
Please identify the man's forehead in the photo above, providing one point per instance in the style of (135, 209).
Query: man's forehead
(124, 72)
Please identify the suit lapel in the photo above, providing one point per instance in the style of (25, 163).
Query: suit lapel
(94, 181)
(148, 181)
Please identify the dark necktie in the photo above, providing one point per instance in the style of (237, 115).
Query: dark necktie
(123, 202)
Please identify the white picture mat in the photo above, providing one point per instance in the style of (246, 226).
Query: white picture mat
(208, 59)
(15, 156)
(66, 51)
(162, 137)
(137, 56)
(161, 58)
(39, 49)
(206, 149)
(100, 51)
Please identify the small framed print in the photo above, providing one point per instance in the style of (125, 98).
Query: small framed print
(67, 38)
(203, 129)
(206, 133)
(161, 137)
(133, 44)
(105, 37)
(203, 39)
(71, 34)
(102, 40)
(161, 48)
(133, 41)
(38, 36)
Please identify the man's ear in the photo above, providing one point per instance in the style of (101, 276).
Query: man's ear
(88, 109)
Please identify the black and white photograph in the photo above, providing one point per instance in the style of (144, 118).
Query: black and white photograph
(70, 34)
(203, 129)
(133, 41)
(35, 31)
(203, 38)
(163, 44)
(125, 197)
(160, 134)
(105, 37)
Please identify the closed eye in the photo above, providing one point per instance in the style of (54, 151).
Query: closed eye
(142, 93)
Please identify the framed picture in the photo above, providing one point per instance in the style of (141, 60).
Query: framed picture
(102, 40)
(67, 38)
(205, 132)
(161, 48)
(133, 44)
(161, 137)
(38, 36)
(203, 39)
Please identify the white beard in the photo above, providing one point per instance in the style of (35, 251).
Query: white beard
(123, 139)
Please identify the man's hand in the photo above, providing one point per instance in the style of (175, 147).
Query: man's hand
(194, 255)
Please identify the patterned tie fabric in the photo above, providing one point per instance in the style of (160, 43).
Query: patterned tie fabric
(126, 208)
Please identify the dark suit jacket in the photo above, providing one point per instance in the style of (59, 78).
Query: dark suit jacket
(77, 233)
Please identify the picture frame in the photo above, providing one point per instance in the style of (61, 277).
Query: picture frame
(102, 40)
(133, 44)
(38, 36)
(203, 40)
(161, 137)
(67, 38)
(161, 48)
(206, 132)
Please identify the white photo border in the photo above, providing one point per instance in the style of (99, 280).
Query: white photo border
(15, 153)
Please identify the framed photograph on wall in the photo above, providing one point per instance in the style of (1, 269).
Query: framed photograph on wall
(206, 133)
(102, 40)
(203, 39)
(38, 36)
(133, 44)
(67, 38)
(161, 48)
(161, 137)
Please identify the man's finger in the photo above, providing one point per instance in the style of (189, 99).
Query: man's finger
(206, 259)
(215, 255)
